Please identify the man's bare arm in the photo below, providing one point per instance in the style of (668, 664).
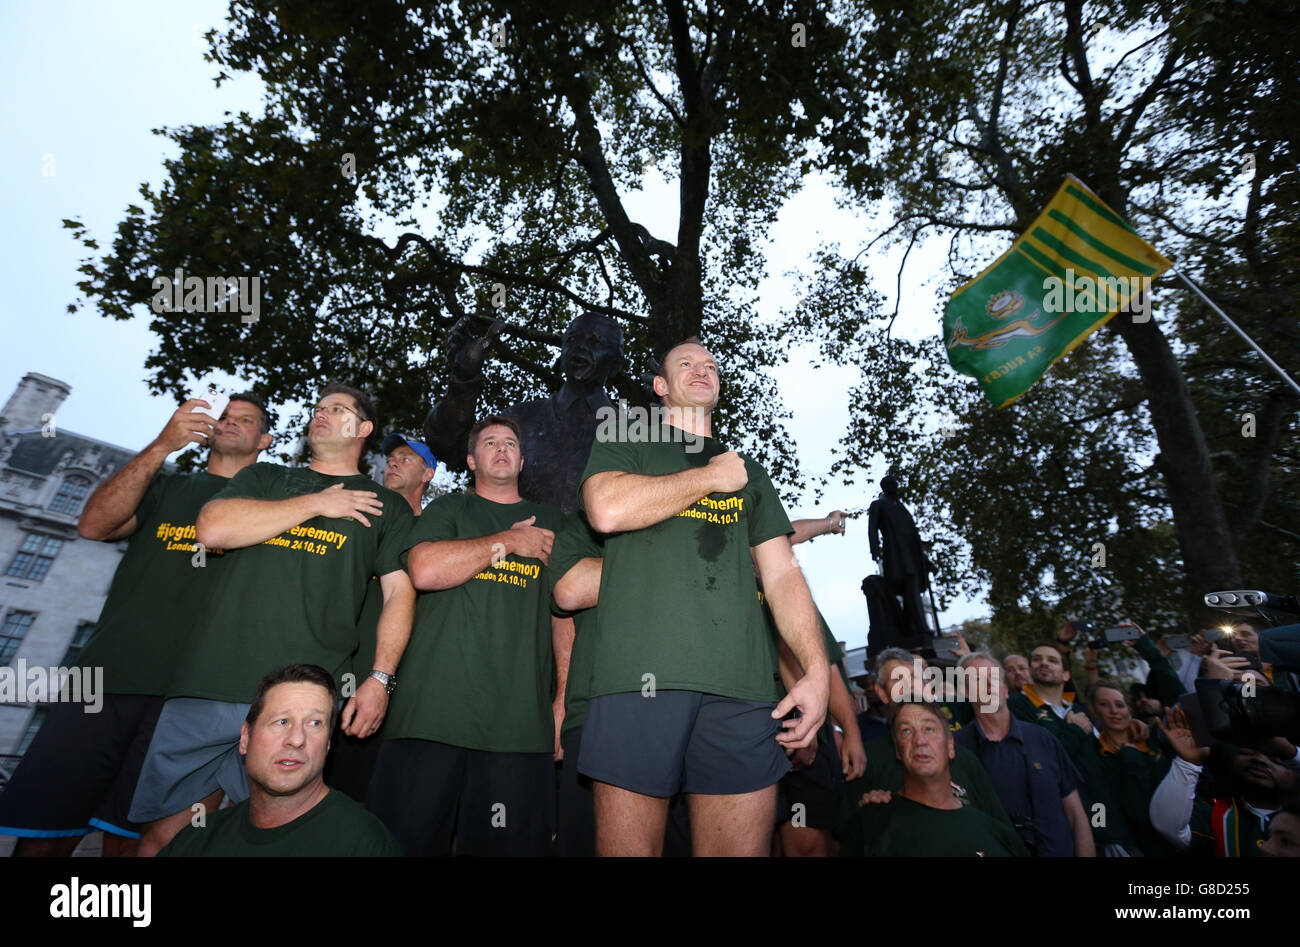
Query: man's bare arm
(807, 529)
(796, 621)
(236, 522)
(109, 514)
(366, 709)
(447, 563)
(853, 755)
(579, 588)
(618, 502)
(562, 635)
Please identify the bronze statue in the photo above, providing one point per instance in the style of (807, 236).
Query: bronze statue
(557, 431)
(906, 568)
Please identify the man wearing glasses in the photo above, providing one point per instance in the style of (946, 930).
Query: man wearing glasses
(301, 544)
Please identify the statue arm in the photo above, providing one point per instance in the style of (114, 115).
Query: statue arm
(449, 421)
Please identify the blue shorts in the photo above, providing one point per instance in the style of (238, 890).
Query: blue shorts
(681, 741)
(194, 751)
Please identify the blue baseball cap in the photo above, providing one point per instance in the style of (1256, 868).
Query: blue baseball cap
(394, 441)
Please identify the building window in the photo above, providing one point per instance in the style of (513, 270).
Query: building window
(12, 634)
(72, 493)
(84, 630)
(34, 557)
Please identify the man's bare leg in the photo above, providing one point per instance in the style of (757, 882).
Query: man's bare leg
(59, 847)
(156, 835)
(803, 842)
(735, 825)
(115, 846)
(628, 823)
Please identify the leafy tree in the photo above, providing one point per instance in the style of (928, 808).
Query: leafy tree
(993, 104)
(493, 145)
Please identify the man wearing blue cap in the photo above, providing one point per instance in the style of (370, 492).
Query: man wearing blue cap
(409, 471)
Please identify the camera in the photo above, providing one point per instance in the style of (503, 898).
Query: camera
(1231, 712)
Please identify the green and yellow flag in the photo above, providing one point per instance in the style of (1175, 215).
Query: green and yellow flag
(1077, 265)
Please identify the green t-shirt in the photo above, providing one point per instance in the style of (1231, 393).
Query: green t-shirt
(363, 662)
(157, 590)
(295, 598)
(884, 771)
(479, 671)
(902, 828)
(677, 599)
(335, 827)
(577, 542)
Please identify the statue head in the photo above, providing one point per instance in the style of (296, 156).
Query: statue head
(889, 486)
(592, 351)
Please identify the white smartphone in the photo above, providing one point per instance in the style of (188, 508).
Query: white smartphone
(216, 399)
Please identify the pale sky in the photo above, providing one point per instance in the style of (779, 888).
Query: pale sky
(83, 85)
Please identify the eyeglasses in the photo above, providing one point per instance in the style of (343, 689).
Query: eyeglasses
(335, 410)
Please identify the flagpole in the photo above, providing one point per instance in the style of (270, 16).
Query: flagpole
(1236, 328)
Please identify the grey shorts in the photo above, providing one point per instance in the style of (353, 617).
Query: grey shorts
(681, 741)
(194, 751)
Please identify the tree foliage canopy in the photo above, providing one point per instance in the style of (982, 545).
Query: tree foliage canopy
(493, 143)
(988, 107)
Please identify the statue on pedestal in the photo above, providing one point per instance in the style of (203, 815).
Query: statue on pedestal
(557, 431)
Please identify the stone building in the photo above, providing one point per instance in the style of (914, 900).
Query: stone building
(54, 582)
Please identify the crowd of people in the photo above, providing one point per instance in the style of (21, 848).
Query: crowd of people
(301, 661)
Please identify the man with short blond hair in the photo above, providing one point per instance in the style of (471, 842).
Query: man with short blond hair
(923, 818)
(684, 683)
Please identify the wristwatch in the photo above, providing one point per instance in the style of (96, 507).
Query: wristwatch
(388, 680)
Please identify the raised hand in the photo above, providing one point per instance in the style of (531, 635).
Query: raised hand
(875, 797)
(187, 425)
(729, 473)
(1179, 734)
(1224, 665)
(531, 542)
(337, 503)
(466, 349)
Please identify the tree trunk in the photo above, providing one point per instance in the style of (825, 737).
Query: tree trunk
(1209, 557)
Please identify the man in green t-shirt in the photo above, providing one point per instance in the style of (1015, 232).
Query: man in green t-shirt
(80, 772)
(469, 747)
(684, 685)
(289, 812)
(409, 470)
(924, 818)
(301, 545)
(896, 680)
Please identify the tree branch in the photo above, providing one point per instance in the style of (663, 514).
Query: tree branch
(1148, 96)
(1280, 531)
(654, 90)
(408, 238)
